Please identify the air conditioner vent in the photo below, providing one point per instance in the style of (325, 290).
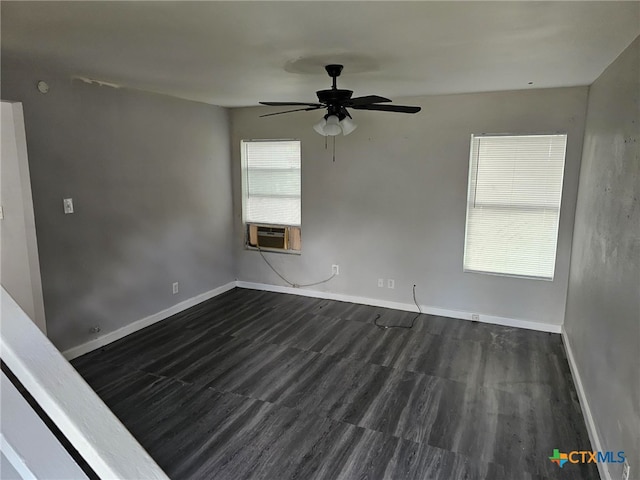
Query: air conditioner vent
(273, 237)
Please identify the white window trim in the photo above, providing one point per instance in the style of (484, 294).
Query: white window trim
(471, 181)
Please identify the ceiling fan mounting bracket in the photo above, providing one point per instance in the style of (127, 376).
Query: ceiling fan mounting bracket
(334, 70)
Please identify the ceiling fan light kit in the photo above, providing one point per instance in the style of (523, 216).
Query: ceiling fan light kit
(319, 127)
(338, 119)
(331, 125)
(347, 125)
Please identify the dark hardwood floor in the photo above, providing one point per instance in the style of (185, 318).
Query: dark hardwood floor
(258, 385)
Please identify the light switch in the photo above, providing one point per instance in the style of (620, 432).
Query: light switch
(1, 213)
(68, 205)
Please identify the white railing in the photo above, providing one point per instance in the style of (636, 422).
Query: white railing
(94, 431)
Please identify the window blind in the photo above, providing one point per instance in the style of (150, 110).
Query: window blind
(513, 204)
(271, 183)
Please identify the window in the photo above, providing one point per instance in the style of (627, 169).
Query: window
(271, 191)
(271, 183)
(513, 204)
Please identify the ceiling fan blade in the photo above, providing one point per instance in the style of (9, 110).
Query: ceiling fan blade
(290, 104)
(296, 110)
(366, 100)
(388, 108)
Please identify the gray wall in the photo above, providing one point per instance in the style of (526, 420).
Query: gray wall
(603, 305)
(393, 203)
(150, 179)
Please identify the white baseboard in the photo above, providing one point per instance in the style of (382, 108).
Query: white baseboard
(409, 307)
(596, 444)
(144, 322)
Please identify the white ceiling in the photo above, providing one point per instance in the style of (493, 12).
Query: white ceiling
(238, 53)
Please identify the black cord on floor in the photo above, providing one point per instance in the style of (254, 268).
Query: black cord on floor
(408, 327)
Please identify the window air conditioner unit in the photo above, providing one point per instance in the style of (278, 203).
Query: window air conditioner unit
(273, 237)
(263, 236)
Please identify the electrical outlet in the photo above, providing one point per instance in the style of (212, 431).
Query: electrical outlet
(381, 282)
(68, 205)
(175, 288)
(475, 317)
(391, 283)
(626, 470)
(335, 269)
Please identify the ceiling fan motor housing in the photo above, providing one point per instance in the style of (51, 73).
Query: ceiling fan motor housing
(334, 97)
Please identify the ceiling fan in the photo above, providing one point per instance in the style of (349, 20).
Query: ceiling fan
(336, 101)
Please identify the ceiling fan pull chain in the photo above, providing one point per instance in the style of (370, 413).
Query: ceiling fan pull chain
(334, 149)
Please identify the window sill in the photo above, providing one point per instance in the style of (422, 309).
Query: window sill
(273, 250)
(509, 275)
